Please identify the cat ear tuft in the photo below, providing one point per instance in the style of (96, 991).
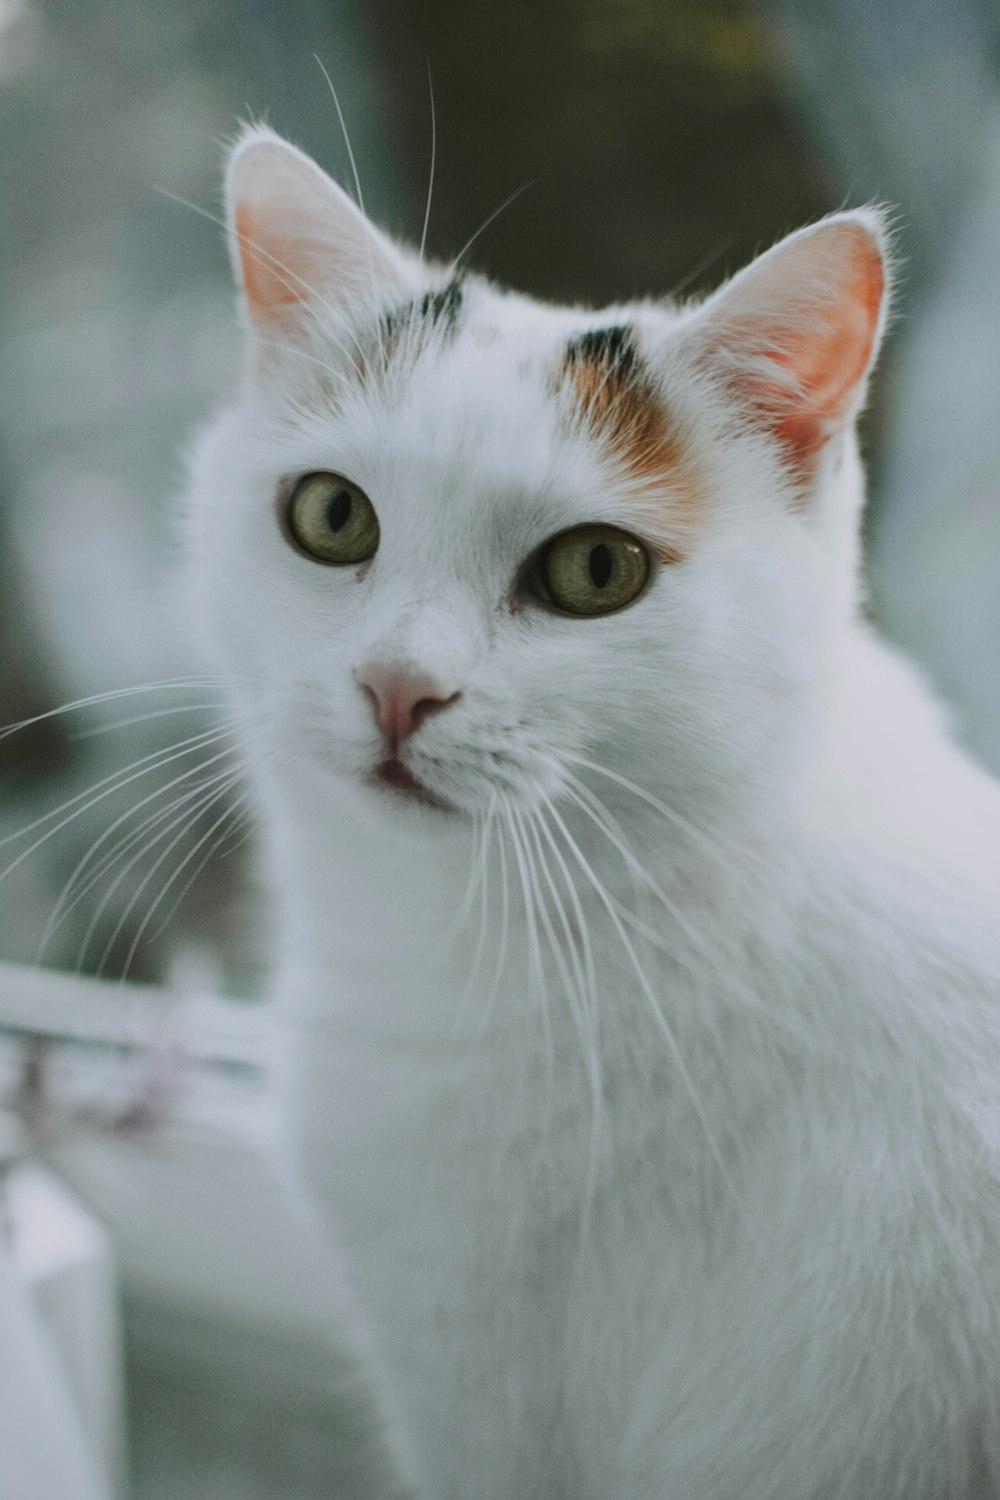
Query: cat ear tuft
(296, 238)
(794, 335)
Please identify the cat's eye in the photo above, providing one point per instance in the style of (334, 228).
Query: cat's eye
(332, 520)
(591, 570)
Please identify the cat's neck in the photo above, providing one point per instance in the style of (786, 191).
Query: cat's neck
(419, 924)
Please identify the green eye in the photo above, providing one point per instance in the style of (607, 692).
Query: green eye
(332, 519)
(593, 570)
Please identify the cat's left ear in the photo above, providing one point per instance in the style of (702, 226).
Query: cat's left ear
(794, 336)
(299, 243)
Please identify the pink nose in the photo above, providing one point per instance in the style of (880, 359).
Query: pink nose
(402, 700)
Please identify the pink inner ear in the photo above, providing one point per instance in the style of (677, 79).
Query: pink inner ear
(817, 320)
(829, 368)
(268, 284)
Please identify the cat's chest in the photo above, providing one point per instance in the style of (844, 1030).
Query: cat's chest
(431, 1138)
(495, 1278)
(478, 1125)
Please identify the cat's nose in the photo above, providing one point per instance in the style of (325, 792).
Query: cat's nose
(401, 700)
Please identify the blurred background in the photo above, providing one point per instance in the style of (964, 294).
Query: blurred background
(659, 145)
(664, 143)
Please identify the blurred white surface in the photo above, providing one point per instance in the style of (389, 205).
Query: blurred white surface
(64, 1259)
(56, 1291)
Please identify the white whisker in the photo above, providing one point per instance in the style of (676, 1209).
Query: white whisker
(472, 886)
(485, 225)
(430, 181)
(145, 766)
(78, 891)
(580, 795)
(536, 966)
(237, 812)
(479, 883)
(240, 812)
(343, 129)
(573, 984)
(160, 713)
(312, 359)
(583, 1003)
(354, 169)
(503, 938)
(168, 684)
(655, 1009)
(697, 835)
(174, 877)
(729, 980)
(183, 810)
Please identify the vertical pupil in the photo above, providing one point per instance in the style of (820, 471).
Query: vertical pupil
(601, 565)
(338, 510)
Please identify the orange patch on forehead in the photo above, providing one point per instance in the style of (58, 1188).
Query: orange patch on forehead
(619, 404)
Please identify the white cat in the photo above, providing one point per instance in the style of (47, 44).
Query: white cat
(639, 921)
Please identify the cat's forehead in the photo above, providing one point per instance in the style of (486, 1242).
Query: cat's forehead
(487, 406)
(482, 374)
(507, 332)
(519, 395)
(471, 309)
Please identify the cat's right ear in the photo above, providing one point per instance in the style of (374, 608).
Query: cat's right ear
(794, 336)
(298, 243)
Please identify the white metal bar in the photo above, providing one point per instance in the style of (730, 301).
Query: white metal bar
(58, 1005)
(43, 1450)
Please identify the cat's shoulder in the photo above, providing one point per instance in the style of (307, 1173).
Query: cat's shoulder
(898, 778)
(904, 825)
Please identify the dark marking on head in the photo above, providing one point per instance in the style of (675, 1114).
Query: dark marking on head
(392, 325)
(435, 311)
(441, 308)
(611, 348)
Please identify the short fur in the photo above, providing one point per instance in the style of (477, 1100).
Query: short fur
(653, 1092)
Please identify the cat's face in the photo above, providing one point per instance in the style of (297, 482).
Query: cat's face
(451, 544)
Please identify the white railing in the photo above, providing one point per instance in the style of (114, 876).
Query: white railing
(156, 1110)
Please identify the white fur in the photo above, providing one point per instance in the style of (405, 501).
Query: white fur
(695, 1197)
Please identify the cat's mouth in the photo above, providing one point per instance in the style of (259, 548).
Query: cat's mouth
(399, 778)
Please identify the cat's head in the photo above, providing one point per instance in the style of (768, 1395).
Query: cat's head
(450, 542)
